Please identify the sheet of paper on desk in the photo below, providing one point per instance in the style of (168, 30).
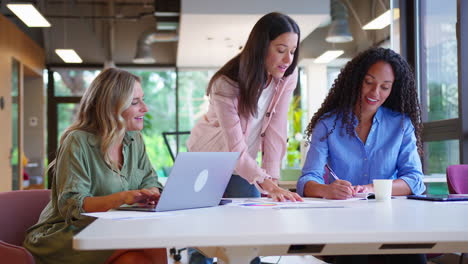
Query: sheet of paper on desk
(356, 197)
(269, 200)
(364, 195)
(127, 215)
(262, 203)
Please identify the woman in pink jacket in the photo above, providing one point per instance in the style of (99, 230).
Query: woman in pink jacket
(249, 101)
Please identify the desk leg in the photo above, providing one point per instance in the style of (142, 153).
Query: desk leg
(231, 255)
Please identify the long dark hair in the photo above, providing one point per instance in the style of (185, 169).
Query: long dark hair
(248, 67)
(346, 91)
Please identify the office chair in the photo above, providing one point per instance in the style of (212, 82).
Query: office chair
(457, 179)
(457, 182)
(19, 210)
(166, 142)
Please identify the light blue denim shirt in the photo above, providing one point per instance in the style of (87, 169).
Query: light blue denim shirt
(390, 152)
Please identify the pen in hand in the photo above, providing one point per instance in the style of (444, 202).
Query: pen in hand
(331, 172)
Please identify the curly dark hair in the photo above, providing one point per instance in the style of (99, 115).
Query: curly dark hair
(346, 91)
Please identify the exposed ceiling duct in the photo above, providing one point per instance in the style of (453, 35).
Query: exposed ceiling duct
(144, 52)
(167, 21)
(339, 27)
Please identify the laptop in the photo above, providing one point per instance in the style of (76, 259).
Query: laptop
(197, 179)
(440, 197)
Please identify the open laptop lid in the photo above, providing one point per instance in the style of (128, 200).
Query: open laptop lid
(440, 197)
(197, 179)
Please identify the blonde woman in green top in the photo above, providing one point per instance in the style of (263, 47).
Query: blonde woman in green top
(101, 164)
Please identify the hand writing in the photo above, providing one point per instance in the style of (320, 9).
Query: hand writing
(340, 190)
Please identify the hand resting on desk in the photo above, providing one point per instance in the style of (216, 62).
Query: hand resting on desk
(368, 188)
(279, 194)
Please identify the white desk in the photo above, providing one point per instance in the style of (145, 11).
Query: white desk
(235, 234)
(291, 185)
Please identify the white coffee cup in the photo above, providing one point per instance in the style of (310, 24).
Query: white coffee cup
(383, 189)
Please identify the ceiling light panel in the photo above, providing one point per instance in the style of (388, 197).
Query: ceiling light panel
(328, 56)
(29, 15)
(68, 55)
(380, 22)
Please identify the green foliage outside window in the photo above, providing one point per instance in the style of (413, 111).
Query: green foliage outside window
(443, 104)
(295, 114)
(160, 96)
(159, 90)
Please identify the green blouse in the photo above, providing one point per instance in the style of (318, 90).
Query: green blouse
(81, 172)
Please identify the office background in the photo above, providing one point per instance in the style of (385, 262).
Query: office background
(183, 42)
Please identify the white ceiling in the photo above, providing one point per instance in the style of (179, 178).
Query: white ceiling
(211, 31)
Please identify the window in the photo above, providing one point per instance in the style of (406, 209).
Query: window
(439, 45)
(66, 115)
(69, 86)
(193, 102)
(159, 86)
(73, 82)
(438, 82)
(440, 154)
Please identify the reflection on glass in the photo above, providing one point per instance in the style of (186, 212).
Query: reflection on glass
(440, 155)
(14, 153)
(72, 82)
(439, 44)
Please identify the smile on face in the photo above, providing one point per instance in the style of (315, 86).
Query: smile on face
(281, 54)
(134, 114)
(376, 86)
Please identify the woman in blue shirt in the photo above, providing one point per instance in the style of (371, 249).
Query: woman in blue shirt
(369, 127)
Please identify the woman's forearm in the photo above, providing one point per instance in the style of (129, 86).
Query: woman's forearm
(400, 187)
(314, 189)
(103, 203)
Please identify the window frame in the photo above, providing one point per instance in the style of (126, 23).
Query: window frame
(448, 129)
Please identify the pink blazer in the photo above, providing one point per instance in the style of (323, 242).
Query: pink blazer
(222, 129)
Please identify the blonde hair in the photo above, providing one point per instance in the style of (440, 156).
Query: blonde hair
(100, 110)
